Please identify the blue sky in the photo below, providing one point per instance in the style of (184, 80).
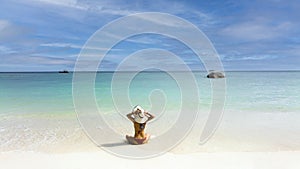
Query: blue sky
(47, 35)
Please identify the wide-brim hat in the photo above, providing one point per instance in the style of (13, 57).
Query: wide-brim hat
(139, 117)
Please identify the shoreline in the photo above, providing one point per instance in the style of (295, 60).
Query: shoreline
(87, 160)
(63, 134)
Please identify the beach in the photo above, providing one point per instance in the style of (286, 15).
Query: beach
(92, 84)
(39, 127)
(100, 159)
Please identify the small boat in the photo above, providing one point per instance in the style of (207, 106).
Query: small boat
(64, 71)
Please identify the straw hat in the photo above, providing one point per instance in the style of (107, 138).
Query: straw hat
(139, 114)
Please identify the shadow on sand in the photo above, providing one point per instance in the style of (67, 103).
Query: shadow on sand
(124, 143)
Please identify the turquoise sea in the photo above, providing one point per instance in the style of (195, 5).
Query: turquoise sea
(261, 113)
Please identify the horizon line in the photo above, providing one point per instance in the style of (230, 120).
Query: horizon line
(109, 71)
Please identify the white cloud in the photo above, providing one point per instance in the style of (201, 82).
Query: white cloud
(74, 46)
(9, 31)
(166, 21)
(4, 24)
(6, 50)
(144, 40)
(103, 7)
(259, 57)
(65, 3)
(61, 45)
(248, 57)
(121, 8)
(256, 30)
(49, 60)
(33, 60)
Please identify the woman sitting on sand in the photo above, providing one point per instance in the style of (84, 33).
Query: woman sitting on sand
(139, 117)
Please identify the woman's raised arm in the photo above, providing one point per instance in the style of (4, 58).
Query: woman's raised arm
(150, 116)
(129, 116)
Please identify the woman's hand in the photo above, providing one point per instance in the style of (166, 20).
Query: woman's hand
(129, 116)
(150, 116)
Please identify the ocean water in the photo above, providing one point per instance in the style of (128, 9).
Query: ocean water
(261, 112)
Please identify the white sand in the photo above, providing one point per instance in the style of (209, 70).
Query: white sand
(261, 142)
(101, 159)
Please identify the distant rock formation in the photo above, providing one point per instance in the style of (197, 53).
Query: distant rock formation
(215, 74)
